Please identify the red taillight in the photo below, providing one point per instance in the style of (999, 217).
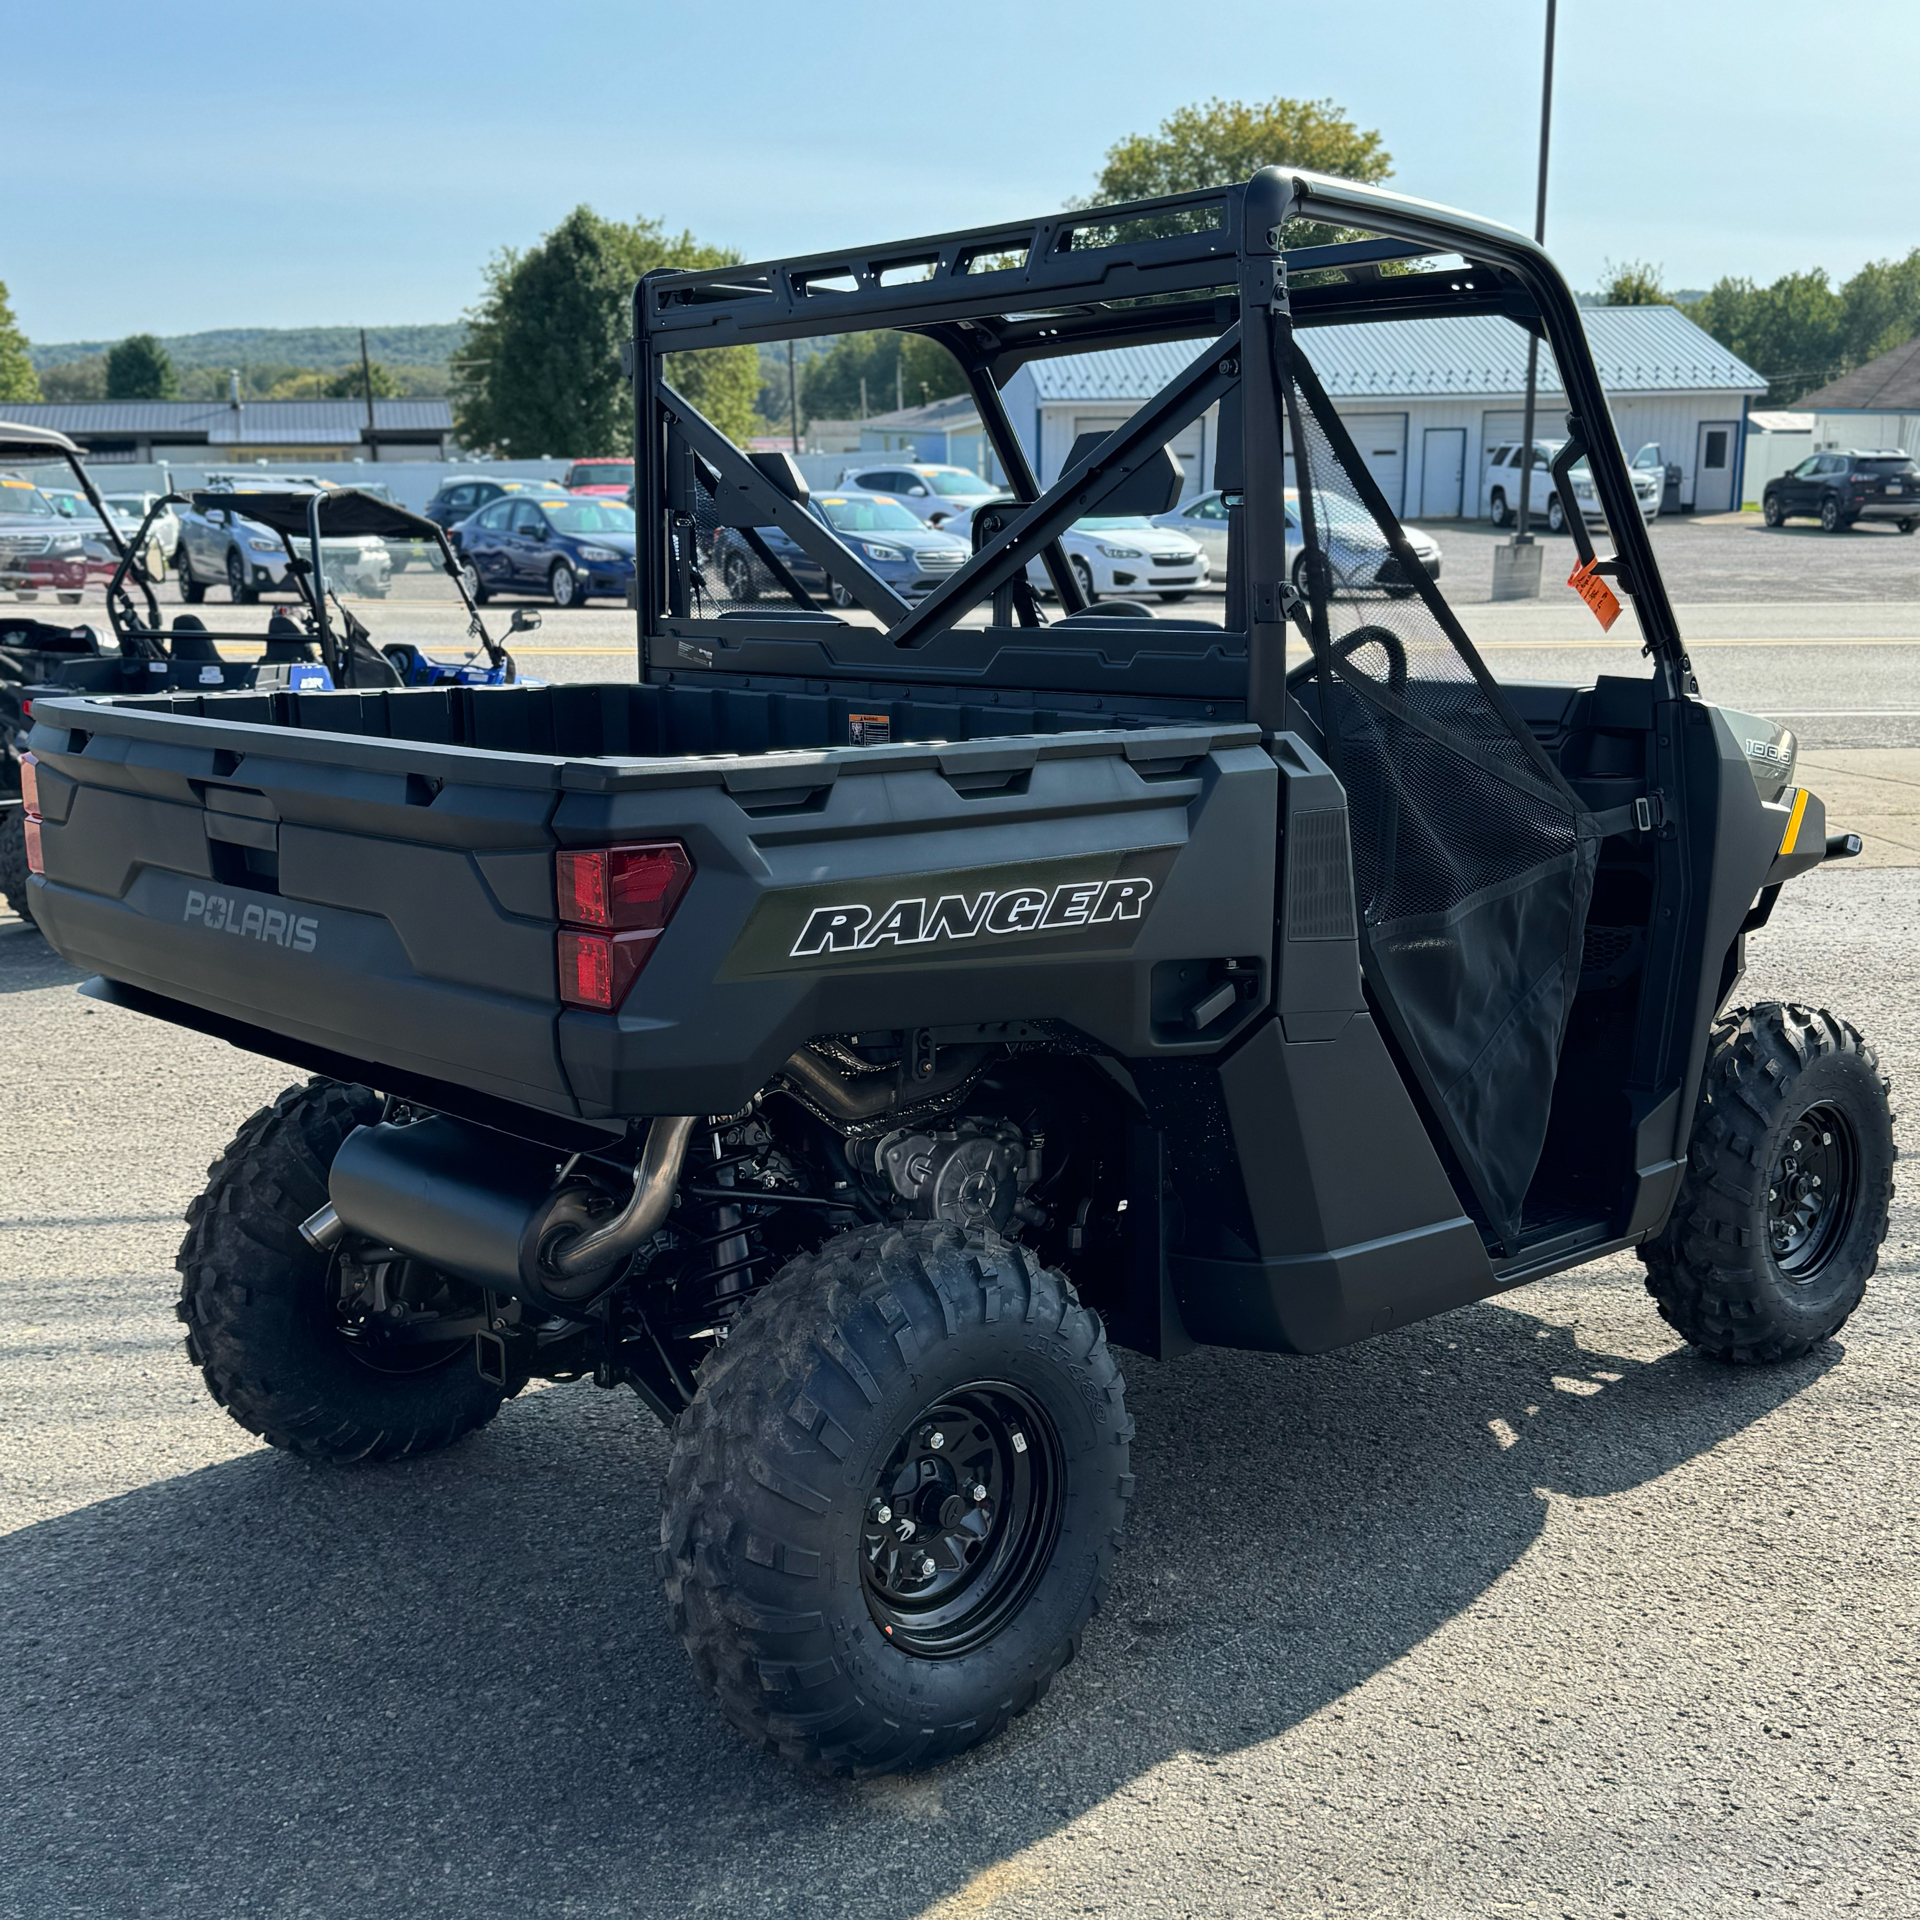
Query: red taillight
(30, 794)
(596, 969)
(631, 892)
(622, 886)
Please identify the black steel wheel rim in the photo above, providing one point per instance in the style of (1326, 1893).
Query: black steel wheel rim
(962, 1520)
(1811, 1193)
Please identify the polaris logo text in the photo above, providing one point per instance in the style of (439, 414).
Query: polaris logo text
(253, 921)
(955, 916)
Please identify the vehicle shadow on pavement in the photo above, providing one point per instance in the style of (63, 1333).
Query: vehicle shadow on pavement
(27, 963)
(448, 1687)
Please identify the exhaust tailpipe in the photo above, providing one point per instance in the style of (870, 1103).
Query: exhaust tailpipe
(487, 1208)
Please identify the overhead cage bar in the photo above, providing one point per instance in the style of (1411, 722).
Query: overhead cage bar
(1186, 267)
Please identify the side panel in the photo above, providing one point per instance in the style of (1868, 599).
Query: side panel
(1356, 1225)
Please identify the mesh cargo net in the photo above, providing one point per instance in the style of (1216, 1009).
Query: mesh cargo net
(1473, 859)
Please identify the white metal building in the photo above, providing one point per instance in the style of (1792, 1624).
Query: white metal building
(1425, 399)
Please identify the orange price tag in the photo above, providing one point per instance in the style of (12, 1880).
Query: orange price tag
(1596, 593)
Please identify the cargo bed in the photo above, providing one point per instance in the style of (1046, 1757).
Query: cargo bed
(363, 882)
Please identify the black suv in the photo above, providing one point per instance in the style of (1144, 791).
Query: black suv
(462, 494)
(1840, 488)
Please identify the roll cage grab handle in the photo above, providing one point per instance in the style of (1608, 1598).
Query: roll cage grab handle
(1104, 277)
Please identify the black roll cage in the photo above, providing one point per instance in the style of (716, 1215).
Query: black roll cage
(1199, 266)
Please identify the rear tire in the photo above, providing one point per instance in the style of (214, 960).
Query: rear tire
(1832, 520)
(258, 1302)
(815, 1625)
(1789, 1179)
(1905, 526)
(476, 587)
(13, 863)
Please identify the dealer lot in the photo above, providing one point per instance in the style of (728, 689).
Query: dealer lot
(1521, 1610)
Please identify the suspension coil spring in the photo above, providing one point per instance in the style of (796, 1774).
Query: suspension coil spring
(730, 1265)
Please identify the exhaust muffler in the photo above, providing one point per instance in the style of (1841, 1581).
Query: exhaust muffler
(492, 1210)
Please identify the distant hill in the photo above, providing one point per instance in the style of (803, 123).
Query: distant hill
(432, 346)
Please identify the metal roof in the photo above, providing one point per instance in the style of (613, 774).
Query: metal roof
(1889, 383)
(257, 421)
(1637, 350)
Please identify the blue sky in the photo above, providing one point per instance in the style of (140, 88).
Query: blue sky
(354, 163)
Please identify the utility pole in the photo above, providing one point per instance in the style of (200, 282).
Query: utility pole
(793, 400)
(1516, 569)
(366, 376)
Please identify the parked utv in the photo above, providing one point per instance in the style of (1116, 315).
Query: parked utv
(842, 1035)
(319, 642)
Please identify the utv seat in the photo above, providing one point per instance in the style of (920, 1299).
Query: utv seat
(286, 644)
(190, 641)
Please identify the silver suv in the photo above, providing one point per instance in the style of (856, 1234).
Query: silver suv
(222, 548)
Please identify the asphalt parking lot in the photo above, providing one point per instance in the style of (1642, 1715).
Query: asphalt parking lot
(1521, 1611)
(1524, 1610)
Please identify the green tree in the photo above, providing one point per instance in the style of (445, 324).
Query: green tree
(1633, 283)
(1224, 141)
(1881, 308)
(540, 370)
(75, 381)
(18, 381)
(139, 369)
(1793, 332)
(893, 365)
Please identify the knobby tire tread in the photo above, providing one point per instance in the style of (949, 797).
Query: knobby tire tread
(243, 1262)
(1709, 1270)
(745, 1529)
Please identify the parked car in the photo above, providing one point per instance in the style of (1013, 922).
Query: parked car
(219, 546)
(1543, 497)
(1118, 554)
(134, 508)
(606, 479)
(39, 551)
(911, 557)
(463, 494)
(1652, 459)
(1360, 557)
(1840, 488)
(97, 541)
(934, 494)
(1125, 553)
(557, 544)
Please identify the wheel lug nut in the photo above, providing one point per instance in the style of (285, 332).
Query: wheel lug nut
(926, 1567)
(979, 1492)
(882, 1513)
(936, 1440)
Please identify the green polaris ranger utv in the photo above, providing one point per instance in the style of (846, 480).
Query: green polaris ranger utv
(842, 1034)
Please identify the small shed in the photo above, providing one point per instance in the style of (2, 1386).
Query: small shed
(1877, 405)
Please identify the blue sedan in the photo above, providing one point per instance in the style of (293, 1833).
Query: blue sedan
(562, 546)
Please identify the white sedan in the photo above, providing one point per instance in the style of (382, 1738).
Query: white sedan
(1127, 555)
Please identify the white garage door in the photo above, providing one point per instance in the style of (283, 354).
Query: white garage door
(1382, 441)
